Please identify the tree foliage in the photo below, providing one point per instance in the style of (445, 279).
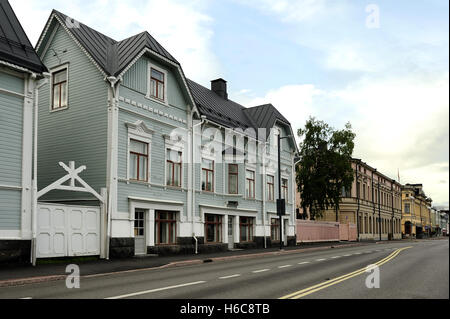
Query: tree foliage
(325, 166)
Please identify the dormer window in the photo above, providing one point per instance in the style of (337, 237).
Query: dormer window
(157, 84)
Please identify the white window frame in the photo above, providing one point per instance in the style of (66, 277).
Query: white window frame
(149, 80)
(54, 70)
(139, 132)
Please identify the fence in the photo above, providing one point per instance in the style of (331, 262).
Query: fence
(320, 231)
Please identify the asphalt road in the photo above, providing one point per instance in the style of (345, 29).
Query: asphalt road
(407, 270)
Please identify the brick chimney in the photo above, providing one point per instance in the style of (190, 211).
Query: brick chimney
(219, 86)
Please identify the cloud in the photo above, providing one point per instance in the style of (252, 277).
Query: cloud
(181, 27)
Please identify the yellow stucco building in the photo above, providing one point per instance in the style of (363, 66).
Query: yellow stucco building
(416, 211)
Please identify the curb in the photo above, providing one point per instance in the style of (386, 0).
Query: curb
(41, 279)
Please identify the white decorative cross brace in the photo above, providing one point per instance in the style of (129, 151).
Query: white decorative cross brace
(72, 175)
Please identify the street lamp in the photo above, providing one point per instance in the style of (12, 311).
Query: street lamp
(281, 203)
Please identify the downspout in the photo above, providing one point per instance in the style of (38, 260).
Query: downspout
(114, 82)
(373, 215)
(264, 193)
(392, 205)
(35, 146)
(357, 198)
(379, 209)
(203, 117)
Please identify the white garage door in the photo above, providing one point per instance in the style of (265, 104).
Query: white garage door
(64, 230)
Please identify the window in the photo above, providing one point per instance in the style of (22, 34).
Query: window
(59, 89)
(138, 224)
(213, 228)
(407, 208)
(270, 188)
(138, 161)
(207, 175)
(250, 184)
(246, 229)
(284, 189)
(157, 81)
(233, 173)
(174, 168)
(364, 191)
(275, 229)
(165, 228)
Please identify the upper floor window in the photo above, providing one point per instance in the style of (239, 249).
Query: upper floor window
(59, 89)
(233, 174)
(250, 184)
(174, 159)
(407, 208)
(157, 85)
(284, 188)
(270, 188)
(138, 160)
(208, 175)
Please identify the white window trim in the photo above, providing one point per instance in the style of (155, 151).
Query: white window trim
(52, 71)
(139, 131)
(178, 146)
(149, 76)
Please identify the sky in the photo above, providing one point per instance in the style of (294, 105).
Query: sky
(380, 65)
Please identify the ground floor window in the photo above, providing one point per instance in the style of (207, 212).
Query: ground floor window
(275, 229)
(246, 229)
(165, 228)
(213, 228)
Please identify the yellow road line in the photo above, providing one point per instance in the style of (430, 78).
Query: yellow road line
(334, 281)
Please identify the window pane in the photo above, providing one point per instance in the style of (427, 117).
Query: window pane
(169, 173)
(142, 168)
(56, 94)
(233, 169)
(160, 91)
(153, 88)
(177, 175)
(158, 75)
(203, 180)
(233, 184)
(64, 94)
(60, 76)
(138, 147)
(133, 166)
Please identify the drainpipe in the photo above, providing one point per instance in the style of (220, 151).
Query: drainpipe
(203, 117)
(379, 208)
(357, 198)
(373, 215)
(392, 205)
(35, 145)
(264, 193)
(114, 82)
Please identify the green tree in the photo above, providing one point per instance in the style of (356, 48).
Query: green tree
(325, 168)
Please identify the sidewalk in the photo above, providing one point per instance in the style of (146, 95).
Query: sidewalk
(26, 274)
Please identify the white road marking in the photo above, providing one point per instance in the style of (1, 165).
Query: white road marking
(334, 257)
(27, 298)
(261, 270)
(347, 255)
(304, 262)
(357, 253)
(232, 276)
(321, 259)
(156, 290)
(285, 266)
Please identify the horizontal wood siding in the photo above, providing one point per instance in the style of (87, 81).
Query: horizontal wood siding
(11, 131)
(78, 133)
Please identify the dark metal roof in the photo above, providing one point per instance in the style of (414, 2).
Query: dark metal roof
(113, 56)
(265, 116)
(218, 109)
(15, 47)
(233, 115)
